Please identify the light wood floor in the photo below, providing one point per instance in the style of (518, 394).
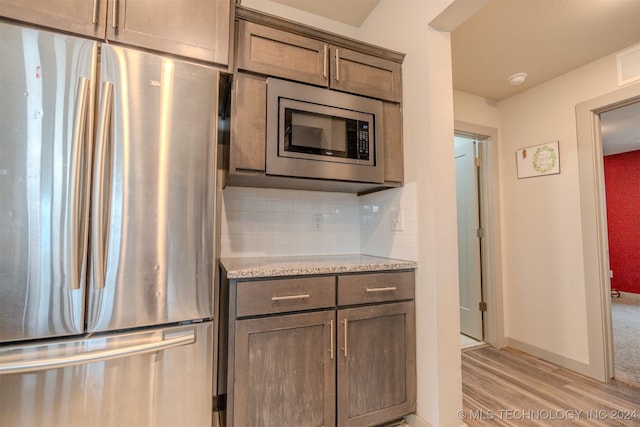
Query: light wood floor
(510, 388)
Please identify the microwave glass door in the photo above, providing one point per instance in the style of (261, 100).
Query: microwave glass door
(315, 133)
(319, 132)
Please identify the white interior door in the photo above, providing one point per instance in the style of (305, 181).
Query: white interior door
(468, 241)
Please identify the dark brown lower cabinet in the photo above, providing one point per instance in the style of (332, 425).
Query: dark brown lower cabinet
(285, 375)
(376, 363)
(345, 357)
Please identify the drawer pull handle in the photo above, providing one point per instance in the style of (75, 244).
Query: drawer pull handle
(94, 15)
(385, 289)
(114, 13)
(324, 62)
(290, 297)
(345, 337)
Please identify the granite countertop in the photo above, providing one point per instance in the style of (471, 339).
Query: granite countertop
(254, 268)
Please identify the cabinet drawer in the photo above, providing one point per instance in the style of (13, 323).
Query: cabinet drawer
(279, 296)
(377, 287)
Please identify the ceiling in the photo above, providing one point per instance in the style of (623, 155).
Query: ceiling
(620, 130)
(543, 38)
(351, 12)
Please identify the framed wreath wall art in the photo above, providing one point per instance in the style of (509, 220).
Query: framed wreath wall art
(539, 160)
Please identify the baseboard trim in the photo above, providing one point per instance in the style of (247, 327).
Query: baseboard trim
(565, 362)
(627, 297)
(415, 421)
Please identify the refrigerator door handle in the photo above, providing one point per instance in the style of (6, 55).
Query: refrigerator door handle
(100, 211)
(45, 363)
(78, 216)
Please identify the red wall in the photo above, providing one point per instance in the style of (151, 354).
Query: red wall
(622, 181)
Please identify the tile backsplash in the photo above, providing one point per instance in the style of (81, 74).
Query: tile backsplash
(380, 235)
(273, 222)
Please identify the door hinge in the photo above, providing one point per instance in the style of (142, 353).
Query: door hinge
(482, 306)
(219, 402)
(476, 154)
(480, 233)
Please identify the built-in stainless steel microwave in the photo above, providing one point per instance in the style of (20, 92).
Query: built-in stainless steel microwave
(320, 133)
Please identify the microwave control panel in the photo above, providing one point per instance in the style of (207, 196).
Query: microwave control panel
(363, 140)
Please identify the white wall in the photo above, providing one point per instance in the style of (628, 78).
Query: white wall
(476, 110)
(377, 213)
(543, 270)
(402, 25)
(429, 161)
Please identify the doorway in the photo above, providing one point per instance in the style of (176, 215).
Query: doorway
(619, 130)
(594, 227)
(479, 245)
(469, 236)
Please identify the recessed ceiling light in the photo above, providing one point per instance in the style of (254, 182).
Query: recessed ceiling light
(517, 79)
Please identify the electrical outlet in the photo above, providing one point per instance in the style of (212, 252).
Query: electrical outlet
(397, 220)
(316, 222)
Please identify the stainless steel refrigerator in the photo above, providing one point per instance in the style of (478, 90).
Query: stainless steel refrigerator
(106, 234)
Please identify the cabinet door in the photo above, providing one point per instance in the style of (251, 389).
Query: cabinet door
(284, 371)
(376, 363)
(393, 145)
(191, 28)
(279, 53)
(248, 124)
(364, 74)
(84, 17)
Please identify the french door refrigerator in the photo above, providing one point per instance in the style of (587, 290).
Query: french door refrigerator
(106, 234)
